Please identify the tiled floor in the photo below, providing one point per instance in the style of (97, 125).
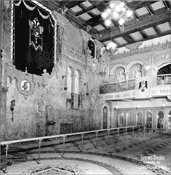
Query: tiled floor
(131, 153)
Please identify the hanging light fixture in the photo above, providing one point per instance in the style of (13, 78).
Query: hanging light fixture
(118, 11)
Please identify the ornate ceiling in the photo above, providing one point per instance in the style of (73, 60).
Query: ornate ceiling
(151, 19)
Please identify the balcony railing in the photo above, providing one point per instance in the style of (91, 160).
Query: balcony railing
(164, 79)
(117, 87)
(63, 139)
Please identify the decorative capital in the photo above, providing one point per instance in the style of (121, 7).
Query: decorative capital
(85, 35)
(62, 21)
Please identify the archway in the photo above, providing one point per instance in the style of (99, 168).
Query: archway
(163, 75)
(121, 119)
(139, 118)
(169, 120)
(160, 120)
(105, 114)
(149, 120)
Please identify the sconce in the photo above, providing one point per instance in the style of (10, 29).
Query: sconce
(63, 76)
(86, 84)
(163, 105)
(12, 109)
(65, 88)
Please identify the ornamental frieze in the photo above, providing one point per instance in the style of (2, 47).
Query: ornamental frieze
(157, 47)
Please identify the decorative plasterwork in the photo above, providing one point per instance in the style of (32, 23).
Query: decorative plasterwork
(162, 59)
(72, 52)
(157, 47)
(98, 44)
(25, 84)
(60, 20)
(85, 35)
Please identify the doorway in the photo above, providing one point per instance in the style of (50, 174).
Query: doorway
(105, 114)
(169, 120)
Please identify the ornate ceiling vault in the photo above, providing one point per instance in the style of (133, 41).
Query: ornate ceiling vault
(151, 19)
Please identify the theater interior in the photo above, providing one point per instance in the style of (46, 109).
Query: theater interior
(85, 87)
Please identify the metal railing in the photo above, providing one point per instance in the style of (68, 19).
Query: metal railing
(64, 136)
(164, 79)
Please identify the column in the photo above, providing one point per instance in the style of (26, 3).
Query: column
(3, 98)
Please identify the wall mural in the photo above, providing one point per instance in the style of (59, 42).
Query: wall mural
(42, 104)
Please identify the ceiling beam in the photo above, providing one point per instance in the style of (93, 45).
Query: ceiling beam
(148, 21)
(128, 39)
(138, 4)
(71, 4)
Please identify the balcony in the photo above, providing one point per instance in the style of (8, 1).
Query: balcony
(164, 79)
(117, 87)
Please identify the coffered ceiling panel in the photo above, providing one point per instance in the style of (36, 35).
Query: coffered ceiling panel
(151, 19)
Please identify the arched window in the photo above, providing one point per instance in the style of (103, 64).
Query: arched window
(92, 48)
(164, 75)
(69, 80)
(69, 85)
(76, 89)
(77, 82)
(160, 120)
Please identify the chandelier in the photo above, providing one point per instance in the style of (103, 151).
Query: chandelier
(117, 11)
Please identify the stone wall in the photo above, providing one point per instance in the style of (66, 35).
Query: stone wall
(35, 106)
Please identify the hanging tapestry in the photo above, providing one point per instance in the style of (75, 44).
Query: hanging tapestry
(33, 38)
(36, 34)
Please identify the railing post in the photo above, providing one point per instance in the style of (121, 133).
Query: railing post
(64, 141)
(6, 157)
(40, 142)
(144, 129)
(108, 132)
(82, 138)
(96, 134)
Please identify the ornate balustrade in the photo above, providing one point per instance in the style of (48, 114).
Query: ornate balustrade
(117, 87)
(164, 79)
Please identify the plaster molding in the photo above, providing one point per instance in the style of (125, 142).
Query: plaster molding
(132, 63)
(60, 20)
(157, 47)
(85, 35)
(161, 60)
(24, 81)
(98, 44)
(113, 69)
